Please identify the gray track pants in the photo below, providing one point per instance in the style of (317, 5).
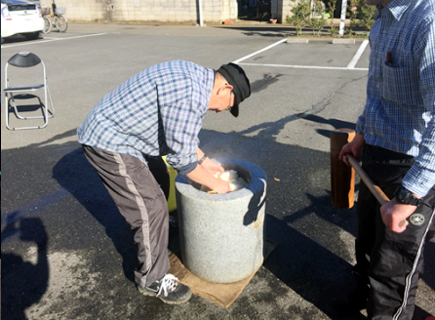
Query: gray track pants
(141, 201)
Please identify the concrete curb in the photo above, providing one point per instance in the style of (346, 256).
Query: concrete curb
(330, 40)
(343, 41)
(297, 40)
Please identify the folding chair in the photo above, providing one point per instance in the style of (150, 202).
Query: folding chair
(27, 60)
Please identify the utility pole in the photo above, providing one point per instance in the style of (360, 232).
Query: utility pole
(201, 22)
(343, 17)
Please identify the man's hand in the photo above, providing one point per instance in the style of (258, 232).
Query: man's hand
(354, 147)
(212, 167)
(204, 175)
(216, 184)
(394, 215)
(221, 186)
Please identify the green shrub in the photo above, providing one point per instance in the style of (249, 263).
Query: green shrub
(361, 14)
(366, 14)
(317, 21)
(301, 13)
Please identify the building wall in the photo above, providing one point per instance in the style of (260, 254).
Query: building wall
(146, 10)
(284, 9)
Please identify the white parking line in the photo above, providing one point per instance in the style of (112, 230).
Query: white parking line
(259, 51)
(301, 67)
(49, 40)
(358, 54)
(350, 66)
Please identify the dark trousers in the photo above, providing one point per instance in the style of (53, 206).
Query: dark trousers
(390, 262)
(160, 172)
(142, 203)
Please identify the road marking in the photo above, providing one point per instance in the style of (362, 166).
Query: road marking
(301, 67)
(358, 55)
(259, 51)
(50, 40)
(350, 66)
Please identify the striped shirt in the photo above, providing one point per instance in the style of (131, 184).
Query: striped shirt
(399, 114)
(157, 112)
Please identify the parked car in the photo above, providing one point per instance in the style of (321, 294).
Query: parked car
(21, 17)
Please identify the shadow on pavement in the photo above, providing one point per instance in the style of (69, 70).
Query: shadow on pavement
(23, 282)
(74, 173)
(315, 240)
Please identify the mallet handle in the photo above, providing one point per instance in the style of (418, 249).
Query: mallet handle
(374, 189)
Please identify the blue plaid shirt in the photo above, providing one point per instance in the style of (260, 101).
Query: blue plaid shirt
(157, 112)
(400, 110)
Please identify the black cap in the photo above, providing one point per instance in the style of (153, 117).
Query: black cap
(236, 77)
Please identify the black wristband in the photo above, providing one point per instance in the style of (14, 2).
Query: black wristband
(405, 196)
(200, 161)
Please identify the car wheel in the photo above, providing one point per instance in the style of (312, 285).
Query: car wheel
(32, 36)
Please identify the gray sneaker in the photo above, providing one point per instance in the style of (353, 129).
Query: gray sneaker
(168, 289)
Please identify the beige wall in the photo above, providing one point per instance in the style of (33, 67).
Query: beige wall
(284, 9)
(146, 10)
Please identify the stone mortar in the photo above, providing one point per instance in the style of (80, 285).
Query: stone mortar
(221, 235)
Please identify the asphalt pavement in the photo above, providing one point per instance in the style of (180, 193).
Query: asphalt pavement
(68, 254)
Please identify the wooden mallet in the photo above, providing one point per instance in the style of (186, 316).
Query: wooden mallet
(343, 176)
